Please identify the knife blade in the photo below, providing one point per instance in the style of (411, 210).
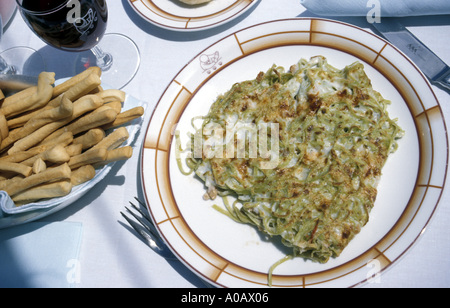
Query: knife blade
(10, 83)
(436, 70)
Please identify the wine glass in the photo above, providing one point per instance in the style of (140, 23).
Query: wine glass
(20, 60)
(79, 26)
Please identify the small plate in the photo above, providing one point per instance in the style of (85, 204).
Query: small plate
(228, 254)
(175, 15)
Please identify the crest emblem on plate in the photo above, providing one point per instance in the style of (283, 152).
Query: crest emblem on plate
(210, 63)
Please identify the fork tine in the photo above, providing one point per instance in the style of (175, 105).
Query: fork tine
(133, 224)
(149, 227)
(144, 206)
(145, 215)
(154, 242)
(140, 202)
(148, 220)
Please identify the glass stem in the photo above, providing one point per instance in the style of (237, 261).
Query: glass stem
(5, 68)
(104, 59)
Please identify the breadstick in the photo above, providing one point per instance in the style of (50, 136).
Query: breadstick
(64, 110)
(125, 117)
(19, 96)
(65, 86)
(6, 176)
(96, 90)
(64, 139)
(82, 175)
(102, 108)
(4, 130)
(74, 149)
(2, 95)
(113, 140)
(89, 121)
(45, 191)
(40, 97)
(22, 119)
(84, 87)
(20, 157)
(76, 92)
(15, 168)
(116, 105)
(88, 158)
(55, 154)
(117, 155)
(120, 154)
(80, 107)
(39, 120)
(17, 185)
(39, 166)
(32, 139)
(112, 95)
(90, 138)
(23, 155)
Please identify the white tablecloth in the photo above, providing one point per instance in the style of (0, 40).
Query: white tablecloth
(112, 256)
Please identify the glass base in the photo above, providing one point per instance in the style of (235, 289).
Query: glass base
(23, 61)
(125, 63)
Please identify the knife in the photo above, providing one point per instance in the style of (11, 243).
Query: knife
(437, 71)
(10, 83)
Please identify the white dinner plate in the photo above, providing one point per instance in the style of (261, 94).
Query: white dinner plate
(228, 254)
(37, 210)
(175, 15)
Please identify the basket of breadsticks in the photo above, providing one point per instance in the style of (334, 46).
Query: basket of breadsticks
(57, 141)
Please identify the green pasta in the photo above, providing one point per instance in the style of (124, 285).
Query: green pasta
(334, 137)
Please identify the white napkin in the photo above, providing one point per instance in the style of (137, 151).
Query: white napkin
(40, 255)
(389, 8)
(5, 202)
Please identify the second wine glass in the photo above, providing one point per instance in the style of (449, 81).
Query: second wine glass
(79, 26)
(18, 60)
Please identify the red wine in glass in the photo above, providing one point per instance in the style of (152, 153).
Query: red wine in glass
(62, 26)
(79, 26)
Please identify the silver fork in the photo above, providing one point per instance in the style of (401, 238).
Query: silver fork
(146, 229)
